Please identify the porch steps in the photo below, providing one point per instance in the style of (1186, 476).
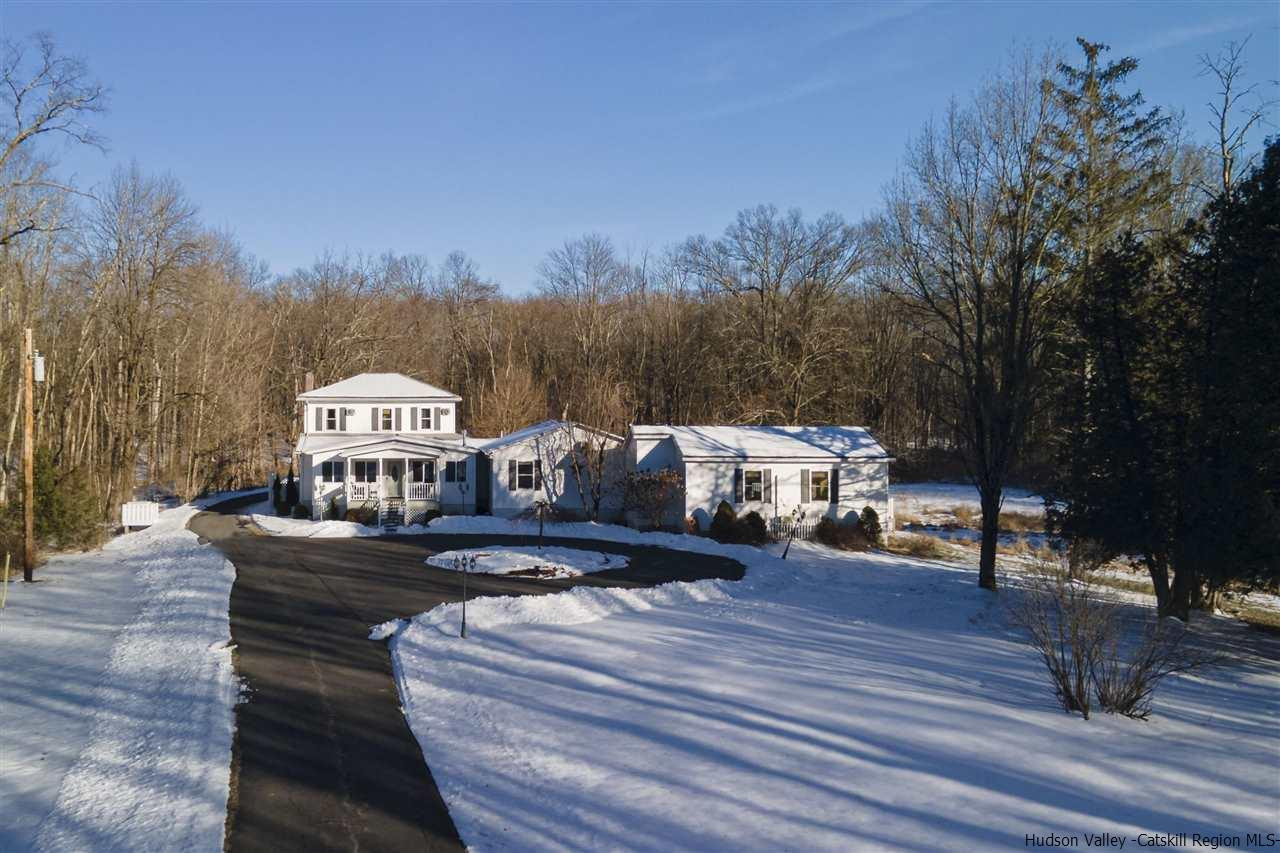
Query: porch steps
(392, 515)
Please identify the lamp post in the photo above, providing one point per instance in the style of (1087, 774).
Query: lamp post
(464, 563)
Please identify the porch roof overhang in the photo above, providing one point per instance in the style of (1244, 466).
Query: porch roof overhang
(350, 446)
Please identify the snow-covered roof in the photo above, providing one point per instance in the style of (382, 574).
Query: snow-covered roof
(533, 431)
(379, 386)
(768, 442)
(325, 442)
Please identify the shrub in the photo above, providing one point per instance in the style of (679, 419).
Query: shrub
(752, 529)
(362, 515)
(691, 526)
(277, 493)
(1084, 642)
(333, 508)
(66, 512)
(650, 493)
(869, 521)
(291, 488)
(431, 515)
(301, 511)
(724, 524)
(846, 537)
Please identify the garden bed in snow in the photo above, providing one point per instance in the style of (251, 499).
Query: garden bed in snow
(531, 561)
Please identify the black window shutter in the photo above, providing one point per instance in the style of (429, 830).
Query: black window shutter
(834, 491)
(397, 418)
(413, 419)
(319, 419)
(537, 475)
(804, 485)
(737, 486)
(768, 486)
(511, 475)
(373, 418)
(342, 418)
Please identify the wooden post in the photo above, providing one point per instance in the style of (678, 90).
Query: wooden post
(28, 460)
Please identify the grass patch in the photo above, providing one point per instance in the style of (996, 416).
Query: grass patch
(916, 545)
(1021, 522)
(967, 515)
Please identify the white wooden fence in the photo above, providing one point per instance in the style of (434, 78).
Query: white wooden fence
(139, 514)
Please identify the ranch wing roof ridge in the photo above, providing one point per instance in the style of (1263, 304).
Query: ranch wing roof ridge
(768, 442)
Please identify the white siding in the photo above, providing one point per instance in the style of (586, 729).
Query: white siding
(861, 484)
(560, 487)
(359, 419)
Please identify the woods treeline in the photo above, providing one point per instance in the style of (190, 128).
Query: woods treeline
(1062, 289)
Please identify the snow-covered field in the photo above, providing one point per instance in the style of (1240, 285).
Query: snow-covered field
(116, 697)
(550, 561)
(935, 503)
(830, 702)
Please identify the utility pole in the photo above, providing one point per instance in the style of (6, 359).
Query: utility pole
(28, 460)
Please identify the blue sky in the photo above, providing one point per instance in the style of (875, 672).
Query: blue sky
(504, 129)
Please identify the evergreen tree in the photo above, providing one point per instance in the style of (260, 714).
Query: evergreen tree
(1174, 451)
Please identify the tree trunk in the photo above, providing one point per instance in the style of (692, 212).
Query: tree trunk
(990, 537)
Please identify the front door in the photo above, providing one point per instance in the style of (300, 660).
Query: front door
(393, 478)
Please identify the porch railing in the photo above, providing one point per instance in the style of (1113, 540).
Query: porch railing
(357, 491)
(422, 491)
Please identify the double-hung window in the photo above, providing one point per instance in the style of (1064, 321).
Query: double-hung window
(422, 471)
(331, 419)
(332, 472)
(455, 472)
(424, 418)
(819, 485)
(524, 475)
(386, 421)
(365, 470)
(752, 485)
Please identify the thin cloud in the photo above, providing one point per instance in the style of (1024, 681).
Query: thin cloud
(1178, 36)
(795, 92)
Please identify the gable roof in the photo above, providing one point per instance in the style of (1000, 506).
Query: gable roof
(768, 442)
(533, 431)
(379, 386)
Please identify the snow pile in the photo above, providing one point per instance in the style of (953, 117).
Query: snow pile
(550, 562)
(833, 702)
(117, 692)
(329, 529)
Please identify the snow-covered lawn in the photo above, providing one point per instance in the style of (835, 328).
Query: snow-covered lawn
(935, 503)
(116, 697)
(549, 562)
(830, 702)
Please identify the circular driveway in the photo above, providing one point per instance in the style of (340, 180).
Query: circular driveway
(323, 757)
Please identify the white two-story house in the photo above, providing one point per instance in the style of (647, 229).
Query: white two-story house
(385, 442)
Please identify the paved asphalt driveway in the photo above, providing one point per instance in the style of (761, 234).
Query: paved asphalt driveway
(323, 758)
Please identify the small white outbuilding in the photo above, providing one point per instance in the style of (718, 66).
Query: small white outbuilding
(778, 471)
